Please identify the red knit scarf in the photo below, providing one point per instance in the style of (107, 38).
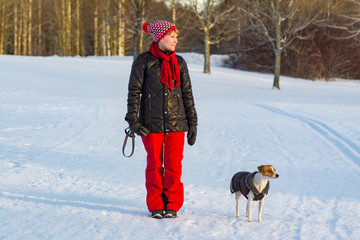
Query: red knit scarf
(169, 66)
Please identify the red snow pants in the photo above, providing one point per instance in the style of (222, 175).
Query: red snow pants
(163, 170)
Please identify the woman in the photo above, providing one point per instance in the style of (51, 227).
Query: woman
(161, 109)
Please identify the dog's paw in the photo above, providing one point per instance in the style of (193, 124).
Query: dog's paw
(249, 220)
(260, 220)
(237, 216)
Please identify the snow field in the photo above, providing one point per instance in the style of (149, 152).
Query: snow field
(63, 176)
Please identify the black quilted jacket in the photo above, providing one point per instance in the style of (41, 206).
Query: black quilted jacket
(161, 110)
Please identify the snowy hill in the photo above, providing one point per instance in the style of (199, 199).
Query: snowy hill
(63, 176)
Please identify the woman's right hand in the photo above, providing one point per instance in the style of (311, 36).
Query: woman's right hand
(139, 129)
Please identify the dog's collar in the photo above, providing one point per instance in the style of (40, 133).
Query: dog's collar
(249, 181)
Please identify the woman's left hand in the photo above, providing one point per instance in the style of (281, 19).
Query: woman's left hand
(191, 135)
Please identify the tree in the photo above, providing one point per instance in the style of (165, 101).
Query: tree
(29, 35)
(121, 31)
(2, 26)
(96, 30)
(133, 13)
(173, 6)
(39, 27)
(340, 31)
(67, 24)
(105, 29)
(343, 15)
(211, 13)
(16, 29)
(281, 22)
(78, 50)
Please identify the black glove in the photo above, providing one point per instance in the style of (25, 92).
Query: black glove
(139, 129)
(191, 135)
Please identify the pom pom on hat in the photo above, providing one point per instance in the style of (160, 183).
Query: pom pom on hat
(145, 26)
(158, 29)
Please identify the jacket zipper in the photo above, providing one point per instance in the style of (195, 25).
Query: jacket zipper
(164, 109)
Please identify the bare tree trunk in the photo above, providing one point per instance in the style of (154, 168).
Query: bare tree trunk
(59, 21)
(2, 28)
(109, 39)
(112, 40)
(173, 12)
(105, 30)
(77, 48)
(141, 40)
(68, 28)
(276, 83)
(96, 30)
(15, 29)
(135, 49)
(207, 51)
(121, 32)
(103, 38)
(39, 26)
(30, 29)
(63, 27)
(23, 29)
(278, 46)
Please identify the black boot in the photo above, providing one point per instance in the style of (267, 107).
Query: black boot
(158, 214)
(170, 214)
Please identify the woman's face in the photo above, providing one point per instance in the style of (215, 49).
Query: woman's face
(168, 43)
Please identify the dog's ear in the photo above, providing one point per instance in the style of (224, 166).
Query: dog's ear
(260, 168)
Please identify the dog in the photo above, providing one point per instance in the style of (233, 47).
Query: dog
(254, 186)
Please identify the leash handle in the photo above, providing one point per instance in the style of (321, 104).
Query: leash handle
(129, 133)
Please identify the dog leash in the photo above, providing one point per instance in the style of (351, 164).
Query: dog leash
(129, 133)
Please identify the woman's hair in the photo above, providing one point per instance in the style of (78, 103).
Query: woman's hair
(174, 30)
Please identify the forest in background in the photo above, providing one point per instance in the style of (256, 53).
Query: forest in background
(317, 39)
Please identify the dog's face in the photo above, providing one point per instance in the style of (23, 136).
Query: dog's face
(268, 171)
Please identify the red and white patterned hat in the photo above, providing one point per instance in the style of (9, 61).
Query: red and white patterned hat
(158, 29)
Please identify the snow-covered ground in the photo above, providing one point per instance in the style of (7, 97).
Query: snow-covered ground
(63, 176)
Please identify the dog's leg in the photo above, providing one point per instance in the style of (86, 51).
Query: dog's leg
(237, 199)
(248, 207)
(261, 204)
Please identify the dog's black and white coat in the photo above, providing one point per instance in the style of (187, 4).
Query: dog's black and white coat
(254, 186)
(244, 182)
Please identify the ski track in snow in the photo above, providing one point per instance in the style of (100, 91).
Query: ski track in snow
(347, 147)
(62, 175)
